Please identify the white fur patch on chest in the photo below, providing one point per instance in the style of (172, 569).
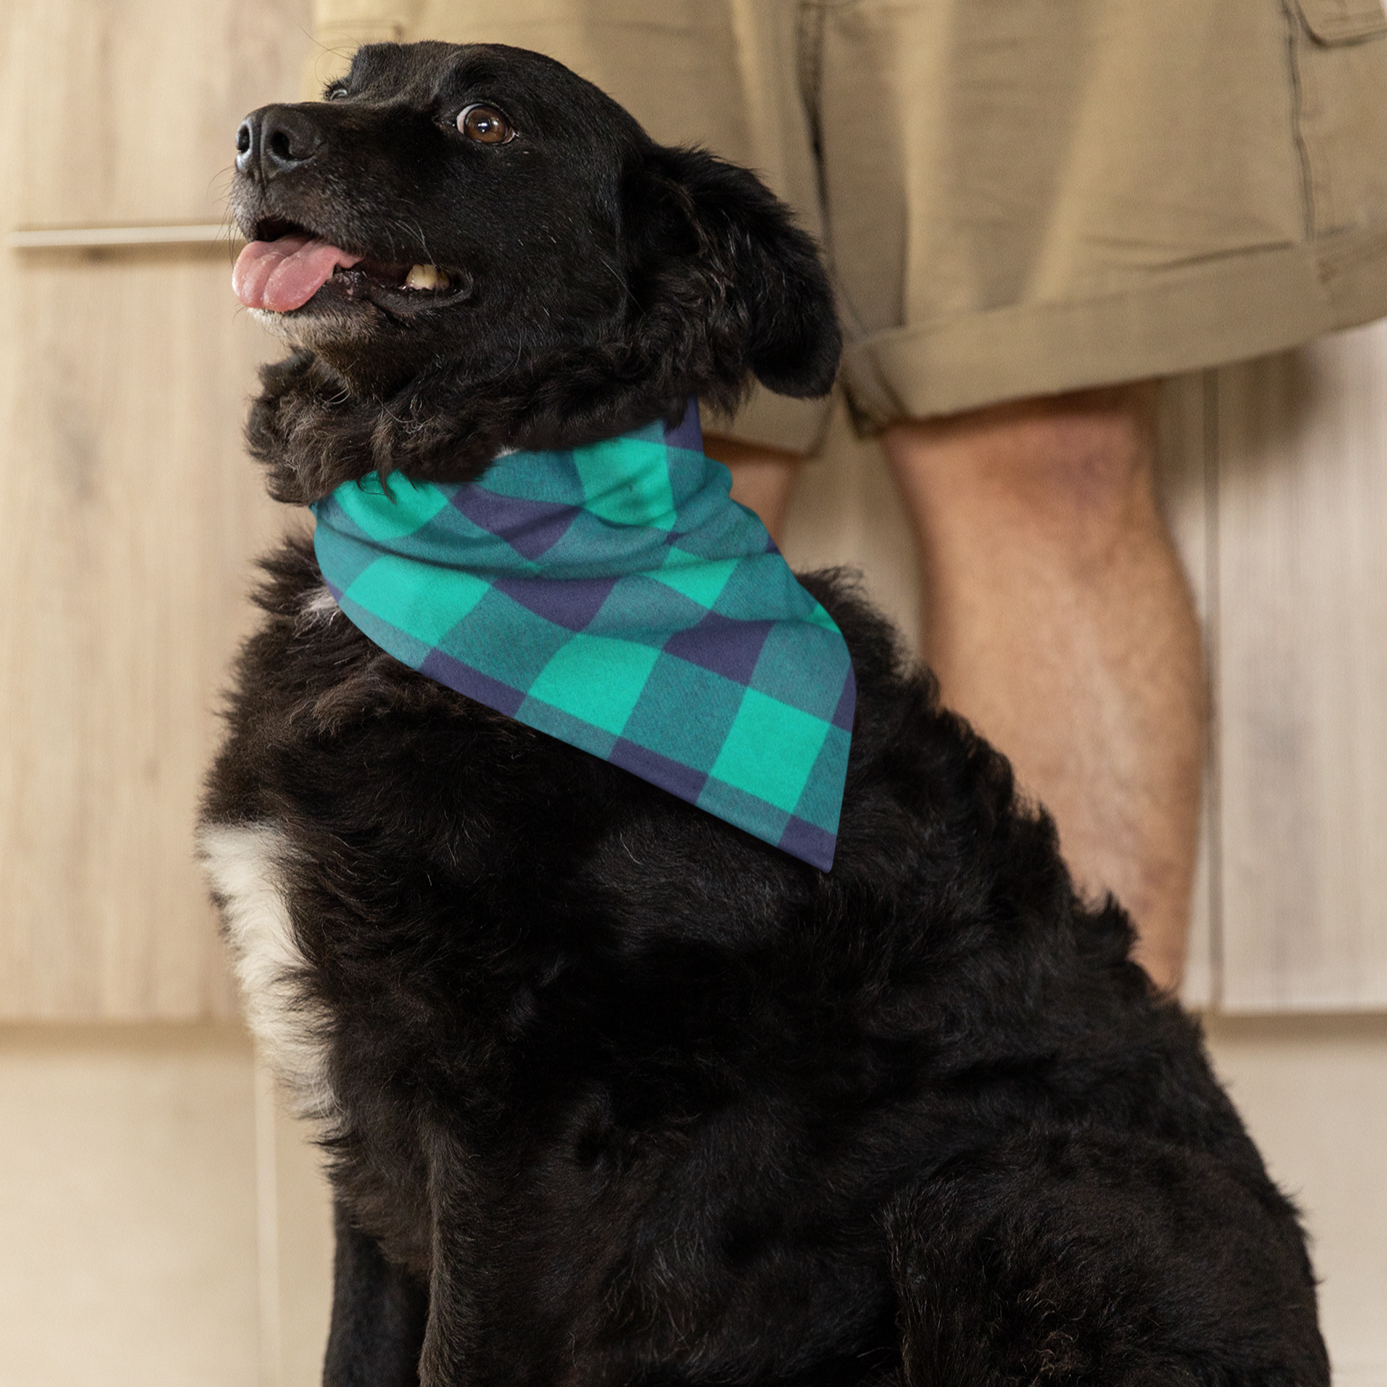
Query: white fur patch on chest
(246, 866)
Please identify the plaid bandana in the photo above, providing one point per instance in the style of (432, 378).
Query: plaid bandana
(616, 598)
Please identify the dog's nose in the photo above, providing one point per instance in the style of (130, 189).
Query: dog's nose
(275, 140)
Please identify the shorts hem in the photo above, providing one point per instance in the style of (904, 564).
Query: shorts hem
(1195, 317)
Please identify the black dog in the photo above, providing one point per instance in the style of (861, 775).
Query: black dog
(614, 1092)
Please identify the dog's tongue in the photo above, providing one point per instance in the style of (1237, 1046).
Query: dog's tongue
(284, 274)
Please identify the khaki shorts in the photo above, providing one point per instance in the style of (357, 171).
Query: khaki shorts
(1017, 197)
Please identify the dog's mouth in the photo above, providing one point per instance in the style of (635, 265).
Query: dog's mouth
(285, 265)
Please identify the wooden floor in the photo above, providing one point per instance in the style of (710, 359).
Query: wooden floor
(165, 1225)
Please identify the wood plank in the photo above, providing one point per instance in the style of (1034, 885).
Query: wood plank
(128, 512)
(1302, 576)
(128, 113)
(107, 237)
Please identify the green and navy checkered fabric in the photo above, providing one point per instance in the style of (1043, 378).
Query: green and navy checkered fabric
(616, 598)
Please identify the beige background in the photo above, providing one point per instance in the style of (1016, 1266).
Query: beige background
(160, 1220)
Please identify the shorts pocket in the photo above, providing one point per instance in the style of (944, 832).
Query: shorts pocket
(1343, 21)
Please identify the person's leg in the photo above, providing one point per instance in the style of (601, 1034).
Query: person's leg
(762, 478)
(1059, 622)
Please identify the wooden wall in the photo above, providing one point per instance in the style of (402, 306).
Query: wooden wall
(129, 517)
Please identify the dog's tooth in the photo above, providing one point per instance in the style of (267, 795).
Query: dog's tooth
(425, 277)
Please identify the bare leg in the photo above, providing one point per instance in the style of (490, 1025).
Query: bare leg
(762, 478)
(1059, 622)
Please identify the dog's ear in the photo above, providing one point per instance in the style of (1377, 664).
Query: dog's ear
(713, 242)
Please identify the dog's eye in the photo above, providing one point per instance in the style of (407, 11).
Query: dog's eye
(485, 124)
(338, 93)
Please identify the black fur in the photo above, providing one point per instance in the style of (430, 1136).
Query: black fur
(623, 1095)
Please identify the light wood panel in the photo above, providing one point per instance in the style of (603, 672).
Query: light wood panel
(128, 111)
(128, 513)
(1302, 679)
(127, 1199)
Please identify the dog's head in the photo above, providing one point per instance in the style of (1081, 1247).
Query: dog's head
(473, 248)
